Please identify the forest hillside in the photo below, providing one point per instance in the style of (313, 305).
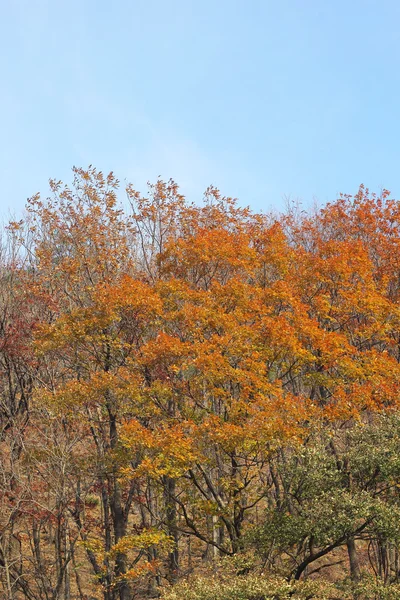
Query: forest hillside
(199, 402)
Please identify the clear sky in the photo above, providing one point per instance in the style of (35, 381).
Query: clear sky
(261, 98)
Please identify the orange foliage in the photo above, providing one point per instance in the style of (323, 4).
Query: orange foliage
(193, 340)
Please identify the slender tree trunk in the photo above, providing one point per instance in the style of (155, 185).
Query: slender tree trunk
(119, 519)
(172, 526)
(383, 559)
(353, 559)
(215, 535)
(107, 533)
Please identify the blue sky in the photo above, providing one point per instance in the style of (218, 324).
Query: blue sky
(264, 99)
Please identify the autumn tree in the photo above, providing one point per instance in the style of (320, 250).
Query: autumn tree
(182, 381)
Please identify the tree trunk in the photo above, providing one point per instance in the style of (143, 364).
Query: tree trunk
(172, 526)
(353, 559)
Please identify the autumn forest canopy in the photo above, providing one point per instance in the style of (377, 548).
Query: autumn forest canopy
(198, 402)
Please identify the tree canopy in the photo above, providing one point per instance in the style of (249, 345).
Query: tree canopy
(198, 401)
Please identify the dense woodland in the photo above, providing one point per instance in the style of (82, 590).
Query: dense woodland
(198, 402)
